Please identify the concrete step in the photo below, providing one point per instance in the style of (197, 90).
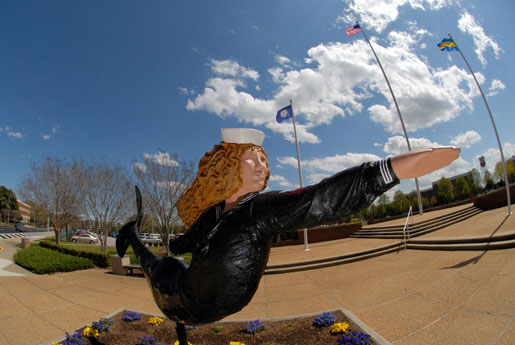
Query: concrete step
(415, 230)
(333, 261)
(464, 246)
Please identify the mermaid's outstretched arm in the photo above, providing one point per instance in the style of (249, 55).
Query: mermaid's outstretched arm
(421, 162)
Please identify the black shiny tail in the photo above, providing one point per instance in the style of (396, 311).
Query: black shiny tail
(129, 232)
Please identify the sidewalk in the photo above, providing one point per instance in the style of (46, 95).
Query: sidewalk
(409, 297)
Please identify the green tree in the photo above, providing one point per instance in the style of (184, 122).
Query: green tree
(474, 177)
(404, 203)
(499, 171)
(381, 211)
(490, 184)
(433, 201)
(462, 190)
(445, 191)
(8, 203)
(383, 199)
(488, 176)
(394, 208)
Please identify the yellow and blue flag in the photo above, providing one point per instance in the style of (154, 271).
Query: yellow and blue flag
(284, 113)
(447, 44)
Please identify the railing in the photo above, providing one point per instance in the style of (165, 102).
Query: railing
(405, 230)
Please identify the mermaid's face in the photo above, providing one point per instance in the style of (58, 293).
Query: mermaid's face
(254, 170)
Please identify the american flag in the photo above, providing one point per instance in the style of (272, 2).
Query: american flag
(353, 30)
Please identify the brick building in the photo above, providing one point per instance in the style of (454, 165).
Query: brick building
(25, 211)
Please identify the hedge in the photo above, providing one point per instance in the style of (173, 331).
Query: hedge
(98, 259)
(42, 260)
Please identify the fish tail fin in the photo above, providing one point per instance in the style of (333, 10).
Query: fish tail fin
(129, 232)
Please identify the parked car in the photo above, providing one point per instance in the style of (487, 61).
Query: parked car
(151, 239)
(84, 237)
(19, 226)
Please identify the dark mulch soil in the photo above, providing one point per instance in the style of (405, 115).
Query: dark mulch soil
(296, 331)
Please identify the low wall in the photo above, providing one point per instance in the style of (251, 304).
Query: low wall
(328, 233)
(494, 199)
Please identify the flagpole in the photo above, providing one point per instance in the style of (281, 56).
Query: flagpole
(507, 183)
(420, 210)
(300, 170)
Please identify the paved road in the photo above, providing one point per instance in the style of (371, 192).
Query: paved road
(8, 231)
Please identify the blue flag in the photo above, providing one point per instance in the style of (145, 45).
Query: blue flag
(284, 114)
(447, 44)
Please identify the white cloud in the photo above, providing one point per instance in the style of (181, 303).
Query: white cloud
(185, 91)
(468, 24)
(45, 136)
(493, 156)
(496, 86)
(318, 168)
(139, 166)
(11, 133)
(17, 135)
(55, 129)
(397, 144)
(465, 140)
(338, 81)
(281, 181)
(282, 60)
(161, 158)
(378, 14)
(232, 69)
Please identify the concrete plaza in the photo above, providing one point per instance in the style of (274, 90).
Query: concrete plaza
(408, 297)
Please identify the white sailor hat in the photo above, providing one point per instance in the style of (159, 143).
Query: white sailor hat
(243, 136)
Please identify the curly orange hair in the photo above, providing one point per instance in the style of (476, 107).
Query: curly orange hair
(218, 177)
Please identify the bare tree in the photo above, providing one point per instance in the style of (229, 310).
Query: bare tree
(54, 185)
(162, 180)
(105, 194)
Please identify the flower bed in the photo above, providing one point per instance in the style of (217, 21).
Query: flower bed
(126, 328)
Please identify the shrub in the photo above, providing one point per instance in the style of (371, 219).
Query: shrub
(99, 259)
(217, 328)
(42, 260)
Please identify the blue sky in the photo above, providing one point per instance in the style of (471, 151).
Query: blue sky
(117, 80)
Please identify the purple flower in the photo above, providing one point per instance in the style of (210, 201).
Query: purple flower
(131, 316)
(103, 325)
(354, 338)
(324, 320)
(75, 339)
(253, 327)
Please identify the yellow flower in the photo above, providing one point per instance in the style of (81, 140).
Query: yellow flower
(54, 343)
(340, 327)
(156, 321)
(235, 343)
(177, 342)
(90, 332)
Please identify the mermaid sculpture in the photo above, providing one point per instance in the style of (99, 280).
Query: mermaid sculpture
(230, 225)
